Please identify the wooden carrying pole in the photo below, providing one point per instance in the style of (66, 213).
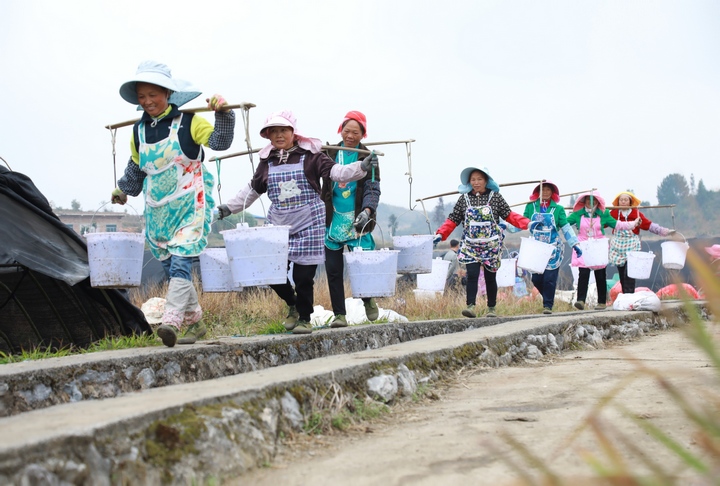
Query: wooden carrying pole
(641, 207)
(507, 184)
(325, 147)
(184, 110)
(560, 195)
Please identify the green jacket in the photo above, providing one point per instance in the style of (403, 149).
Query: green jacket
(605, 219)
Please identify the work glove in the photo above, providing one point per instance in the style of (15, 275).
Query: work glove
(671, 232)
(437, 239)
(216, 103)
(369, 162)
(361, 221)
(578, 251)
(118, 197)
(223, 211)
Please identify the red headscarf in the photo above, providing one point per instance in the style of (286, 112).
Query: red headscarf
(358, 117)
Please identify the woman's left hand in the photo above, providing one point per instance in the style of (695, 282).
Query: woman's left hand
(217, 103)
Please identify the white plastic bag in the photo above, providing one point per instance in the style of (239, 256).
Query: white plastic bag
(640, 301)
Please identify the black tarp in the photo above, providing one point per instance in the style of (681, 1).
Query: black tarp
(45, 295)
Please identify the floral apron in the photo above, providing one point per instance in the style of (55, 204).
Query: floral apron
(177, 190)
(549, 234)
(621, 243)
(482, 237)
(589, 229)
(296, 204)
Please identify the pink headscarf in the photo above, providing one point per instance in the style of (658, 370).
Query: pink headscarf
(555, 192)
(287, 119)
(580, 203)
(713, 251)
(358, 117)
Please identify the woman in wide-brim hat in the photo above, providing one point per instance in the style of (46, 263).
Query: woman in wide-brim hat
(166, 163)
(479, 209)
(349, 216)
(290, 172)
(627, 239)
(547, 219)
(590, 218)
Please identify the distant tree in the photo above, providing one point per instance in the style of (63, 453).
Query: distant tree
(692, 183)
(672, 189)
(393, 224)
(75, 205)
(438, 214)
(703, 195)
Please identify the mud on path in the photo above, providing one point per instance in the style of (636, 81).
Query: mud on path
(444, 441)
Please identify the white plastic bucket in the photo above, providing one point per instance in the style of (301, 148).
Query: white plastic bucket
(639, 264)
(506, 273)
(258, 255)
(534, 255)
(423, 295)
(435, 280)
(415, 253)
(215, 271)
(371, 273)
(115, 259)
(594, 252)
(673, 254)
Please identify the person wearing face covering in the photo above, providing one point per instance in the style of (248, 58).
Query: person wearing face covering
(349, 216)
(290, 172)
(166, 164)
(479, 210)
(590, 218)
(628, 239)
(547, 220)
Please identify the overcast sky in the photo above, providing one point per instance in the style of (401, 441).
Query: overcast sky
(589, 94)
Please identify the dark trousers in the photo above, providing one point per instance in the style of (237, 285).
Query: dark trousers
(627, 283)
(302, 295)
(546, 283)
(473, 273)
(334, 268)
(584, 280)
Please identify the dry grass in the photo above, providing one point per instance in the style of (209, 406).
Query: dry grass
(258, 310)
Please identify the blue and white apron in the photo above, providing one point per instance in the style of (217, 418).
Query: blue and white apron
(548, 233)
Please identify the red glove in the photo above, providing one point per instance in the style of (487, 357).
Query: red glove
(517, 220)
(447, 227)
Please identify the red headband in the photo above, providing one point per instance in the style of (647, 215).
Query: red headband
(358, 117)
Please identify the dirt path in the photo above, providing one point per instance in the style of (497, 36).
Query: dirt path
(444, 441)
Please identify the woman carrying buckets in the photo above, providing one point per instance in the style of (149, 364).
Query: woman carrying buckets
(628, 239)
(590, 218)
(546, 216)
(290, 170)
(479, 210)
(166, 164)
(349, 215)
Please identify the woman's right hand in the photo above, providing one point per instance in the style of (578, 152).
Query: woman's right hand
(118, 197)
(216, 103)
